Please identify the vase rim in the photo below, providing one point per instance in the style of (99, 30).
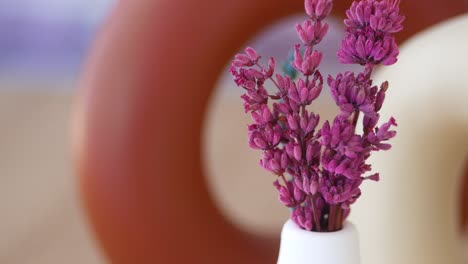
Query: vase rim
(348, 227)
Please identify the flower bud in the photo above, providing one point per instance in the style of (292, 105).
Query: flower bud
(292, 122)
(314, 186)
(297, 152)
(318, 9)
(252, 54)
(242, 60)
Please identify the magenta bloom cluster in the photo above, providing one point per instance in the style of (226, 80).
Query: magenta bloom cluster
(370, 25)
(321, 166)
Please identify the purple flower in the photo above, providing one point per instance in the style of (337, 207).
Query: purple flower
(309, 184)
(252, 54)
(285, 107)
(325, 168)
(303, 217)
(254, 99)
(351, 168)
(370, 24)
(248, 59)
(344, 152)
(289, 195)
(247, 78)
(284, 82)
(380, 16)
(379, 100)
(242, 60)
(262, 116)
(294, 151)
(369, 123)
(311, 33)
(303, 93)
(340, 190)
(353, 93)
(313, 152)
(308, 122)
(318, 9)
(341, 138)
(377, 137)
(264, 137)
(276, 161)
(361, 49)
(309, 63)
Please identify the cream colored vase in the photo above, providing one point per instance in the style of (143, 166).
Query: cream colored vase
(410, 217)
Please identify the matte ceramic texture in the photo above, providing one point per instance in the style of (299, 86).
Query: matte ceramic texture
(299, 246)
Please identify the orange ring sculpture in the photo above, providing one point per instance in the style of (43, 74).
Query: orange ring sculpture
(138, 125)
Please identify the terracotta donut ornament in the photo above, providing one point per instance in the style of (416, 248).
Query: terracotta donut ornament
(138, 119)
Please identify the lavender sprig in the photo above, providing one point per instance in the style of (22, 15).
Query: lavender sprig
(320, 171)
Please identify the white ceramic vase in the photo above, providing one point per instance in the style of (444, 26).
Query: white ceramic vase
(299, 246)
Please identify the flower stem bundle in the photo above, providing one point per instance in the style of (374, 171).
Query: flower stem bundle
(320, 169)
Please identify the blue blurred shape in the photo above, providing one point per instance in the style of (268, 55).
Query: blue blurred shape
(47, 37)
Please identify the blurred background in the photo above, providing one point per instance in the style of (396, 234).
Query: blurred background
(42, 48)
(46, 40)
(43, 45)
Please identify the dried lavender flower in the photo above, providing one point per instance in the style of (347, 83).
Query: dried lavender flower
(379, 16)
(320, 170)
(368, 49)
(318, 9)
(353, 93)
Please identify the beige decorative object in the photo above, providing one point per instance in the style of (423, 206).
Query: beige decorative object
(410, 217)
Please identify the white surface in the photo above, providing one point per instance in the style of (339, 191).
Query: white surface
(410, 217)
(303, 247)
